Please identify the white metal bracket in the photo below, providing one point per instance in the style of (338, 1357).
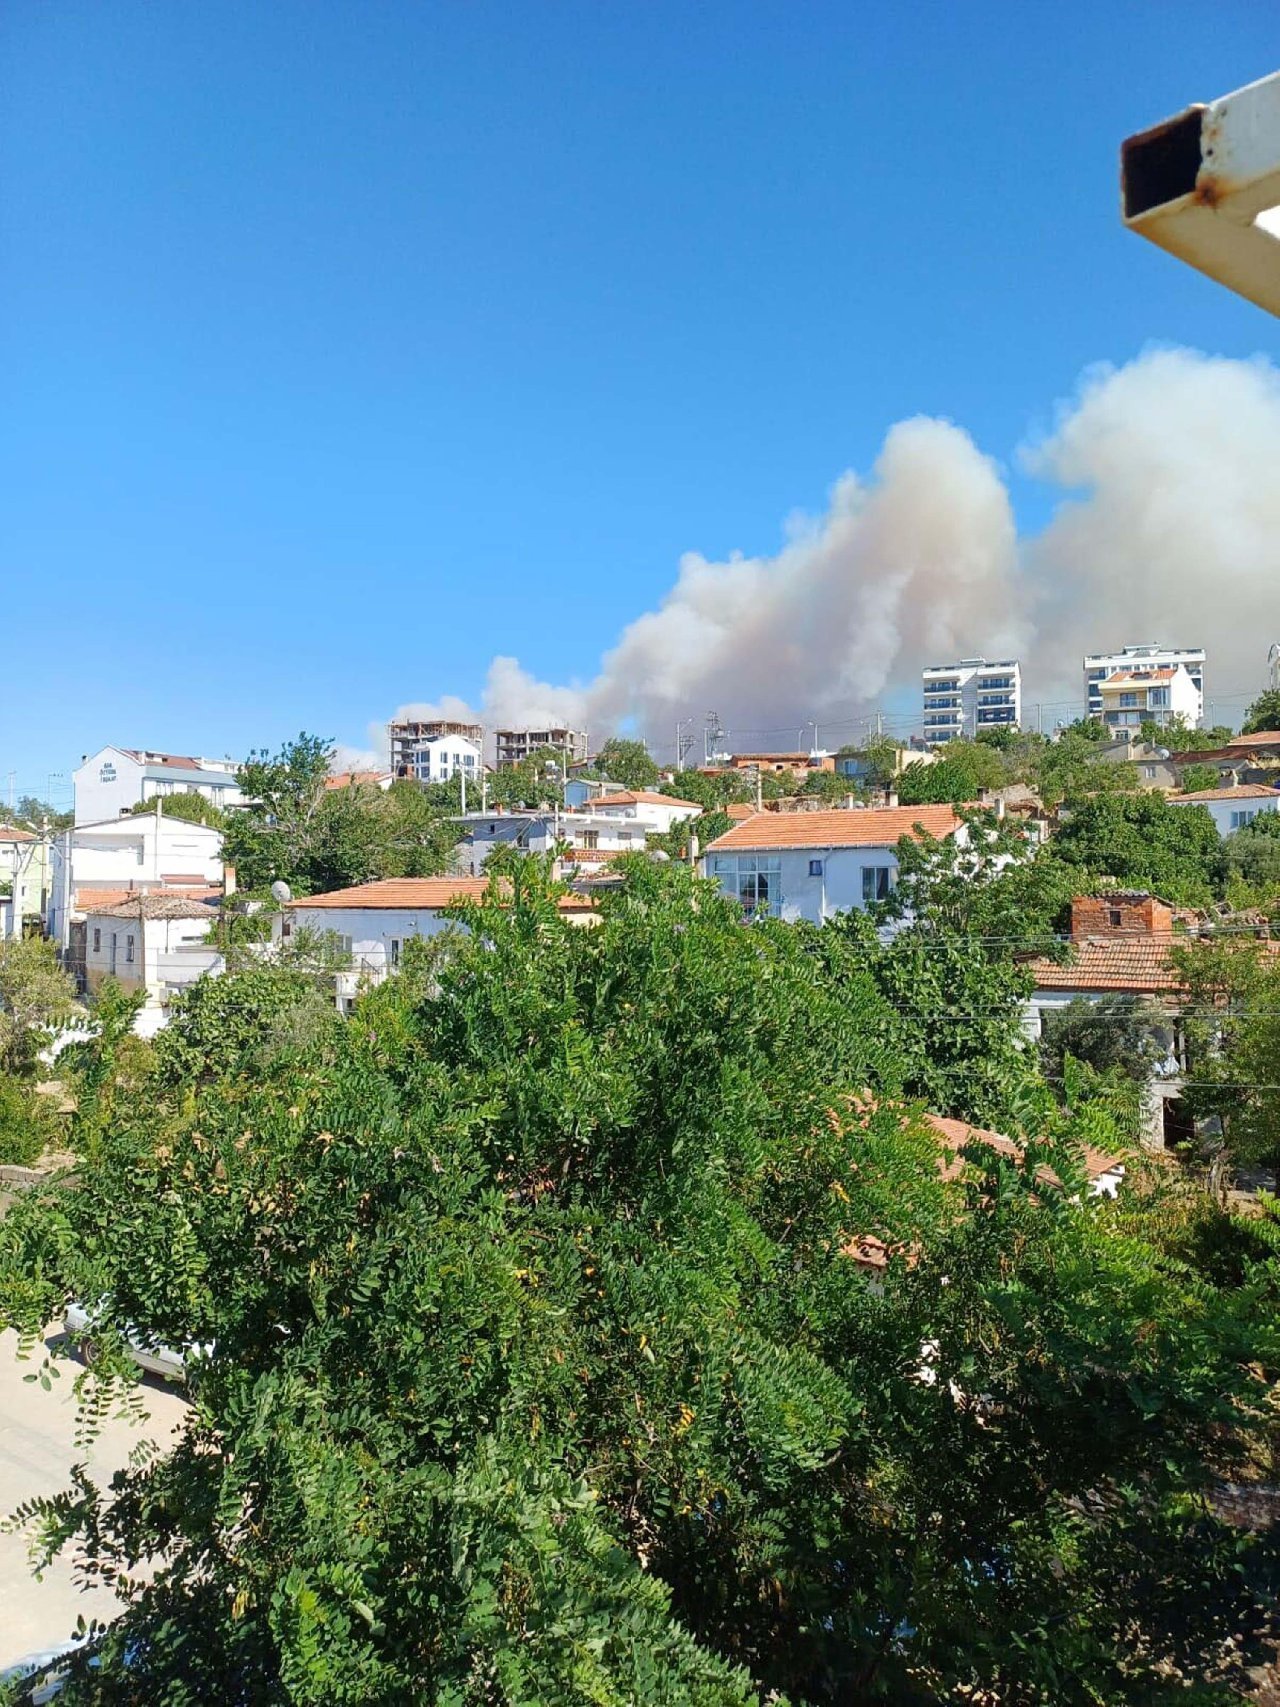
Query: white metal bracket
(1206, 186)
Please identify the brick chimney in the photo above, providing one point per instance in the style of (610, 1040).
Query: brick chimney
(1121, 913)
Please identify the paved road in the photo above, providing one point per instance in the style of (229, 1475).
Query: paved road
(37, 1449)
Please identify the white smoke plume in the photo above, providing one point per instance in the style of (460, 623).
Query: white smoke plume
(1169, 530)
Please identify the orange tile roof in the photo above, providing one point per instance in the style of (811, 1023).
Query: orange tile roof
(1134, 963)
(410, 894)
(345, 779)
(1137, 676)
(637, 797)
(739, 810)
(1242, 791)
(11, 833)
(89, 899)
(846, 827)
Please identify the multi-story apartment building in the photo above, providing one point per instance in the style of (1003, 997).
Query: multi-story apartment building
(1099, 665)
(1148, 693)
(409, 740)
(513, 746)
(110, 782)
(961, 699)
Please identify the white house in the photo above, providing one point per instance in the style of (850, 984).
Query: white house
(373, 921)
(1232, 808)
(813, 865)
(654, 813)
(156, 943)
(115, 779)
(107, 862)
(596, 833)
(440, 757)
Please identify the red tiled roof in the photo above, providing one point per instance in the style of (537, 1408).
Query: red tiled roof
(846, 827)
(740, 810)
(1119, 677)
(425, 894)
(11, 833)
(637, 797)
(347, 779)
(1134, 963)
(1242, 791)
(89, 899)
(153, 907)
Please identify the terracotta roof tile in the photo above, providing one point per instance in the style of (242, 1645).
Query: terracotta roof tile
(11, 833)
(426, 894)
(847, 827)
(637, 797)
(1134, 963)
(1243, 791)
(154, 907)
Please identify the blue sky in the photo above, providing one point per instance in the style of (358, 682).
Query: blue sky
(345, 345)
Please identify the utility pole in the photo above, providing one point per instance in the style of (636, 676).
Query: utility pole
(13, 777)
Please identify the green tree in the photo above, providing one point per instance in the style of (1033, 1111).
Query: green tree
(38, 815)
(537, 1369)
(1263, 714)
(828, 786)
(1113, 1034)
(1196, 778)
(964, 768)
(189, 807)
(628, 763)
(711, 789)
(1232, 1031)
(1179, 736)
(1142, 841)
(1252, 856)
(36, 997)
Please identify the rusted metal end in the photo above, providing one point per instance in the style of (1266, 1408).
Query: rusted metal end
(1161, 164)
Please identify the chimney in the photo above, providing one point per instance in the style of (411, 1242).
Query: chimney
(228, 881)
(693, 848)
(891, 797)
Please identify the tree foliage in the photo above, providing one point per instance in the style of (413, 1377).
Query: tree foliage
(317, 838)
(628, 763)
(1264, 714)
(1142, 841)
(190, 807)
(964, 768)
(537, 1370)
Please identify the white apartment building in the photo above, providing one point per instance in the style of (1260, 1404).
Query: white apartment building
(437, 758)
(962, 699)
(112, 781)
(655, 813)
(1098, 666)
(813, 865)
(593, 836)
(407, 738)
(1149, 693)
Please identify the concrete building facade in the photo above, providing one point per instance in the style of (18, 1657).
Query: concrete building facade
(1098, 666)
(965, 698)
(112, 781)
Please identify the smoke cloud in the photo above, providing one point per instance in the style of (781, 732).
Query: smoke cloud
(1167, 528)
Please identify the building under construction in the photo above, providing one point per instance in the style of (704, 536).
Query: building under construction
(514, 746)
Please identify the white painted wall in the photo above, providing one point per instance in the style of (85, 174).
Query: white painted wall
(125, 852)
(444, 756)
(1223, 811)
(111, 781)
(816, 896)
(369, 931)
(652, 817)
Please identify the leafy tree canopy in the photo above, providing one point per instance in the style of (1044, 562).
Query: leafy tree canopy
(1144, 842)
(1263, 714)
(964, 768)
(538, 1371)
(627, 762)
(190, 807)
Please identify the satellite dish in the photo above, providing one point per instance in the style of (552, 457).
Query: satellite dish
(280, 891)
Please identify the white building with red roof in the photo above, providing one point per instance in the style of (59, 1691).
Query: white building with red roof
(814, 865)
(1231, 808)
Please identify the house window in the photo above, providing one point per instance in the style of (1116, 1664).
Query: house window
(1149, 772)
(128, 949)
(877, 881)
(395, 951)
(590, 839)
(97, 939)
(1243, 817)
(815, 868)
(1128, 699)
(1115, 918)
(753, 880)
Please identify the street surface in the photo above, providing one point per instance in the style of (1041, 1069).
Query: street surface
(37, 1450)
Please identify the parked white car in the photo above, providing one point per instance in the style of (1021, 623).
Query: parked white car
(155, 1359)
